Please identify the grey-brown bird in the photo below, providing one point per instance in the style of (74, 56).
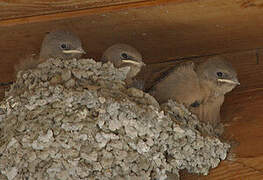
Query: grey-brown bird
(217, 77)
(200, 88)
(122, 55)
(57, 44)
(61, 44)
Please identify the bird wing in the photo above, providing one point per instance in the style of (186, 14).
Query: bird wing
(151, 74)
(181, 84)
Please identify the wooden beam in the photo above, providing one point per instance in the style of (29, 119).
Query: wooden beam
(22, 8)
(161, 32)
(32, 11)
(169, 32)
(241, 168)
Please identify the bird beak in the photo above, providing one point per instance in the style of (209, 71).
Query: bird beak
(234, 81)
(74, 51)
(131, 62)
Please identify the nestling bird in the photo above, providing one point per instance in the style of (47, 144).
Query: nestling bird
(217, 77)
(200, 88)
(61, 44)
(122, 55)
(57, 44)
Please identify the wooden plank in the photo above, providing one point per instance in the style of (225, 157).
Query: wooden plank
(251, 3)
(24, 8)
(80, 13)
(31, 11)
(242, 108)
(168, 32)
(233, 170)
(163, 32)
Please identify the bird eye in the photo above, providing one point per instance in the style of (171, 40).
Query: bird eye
(64, 46)
(219, 74)
(124, 55)
(195, 104)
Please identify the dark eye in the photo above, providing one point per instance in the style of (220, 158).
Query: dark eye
(63, 46)
(219, 74)
(195, 104)
(124, 55)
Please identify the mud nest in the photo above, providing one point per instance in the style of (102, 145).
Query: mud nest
(76, 119)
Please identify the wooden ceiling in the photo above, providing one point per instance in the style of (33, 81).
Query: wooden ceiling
(164, 31)
(17, 9)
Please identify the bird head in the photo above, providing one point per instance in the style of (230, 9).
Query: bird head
(122, 55)
(219, 74)
(61, 44)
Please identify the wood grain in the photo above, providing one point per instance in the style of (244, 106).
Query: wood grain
(251, 3)
(24, 8)
(162, 32)
(170, 32)
(80, 13)
(233, 170)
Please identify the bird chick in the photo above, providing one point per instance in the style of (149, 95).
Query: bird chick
(61, 44)
(122, 55)
(57, 44)
(200, 88)
(217, 77)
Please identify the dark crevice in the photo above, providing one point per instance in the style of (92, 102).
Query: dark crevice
(213, 54)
